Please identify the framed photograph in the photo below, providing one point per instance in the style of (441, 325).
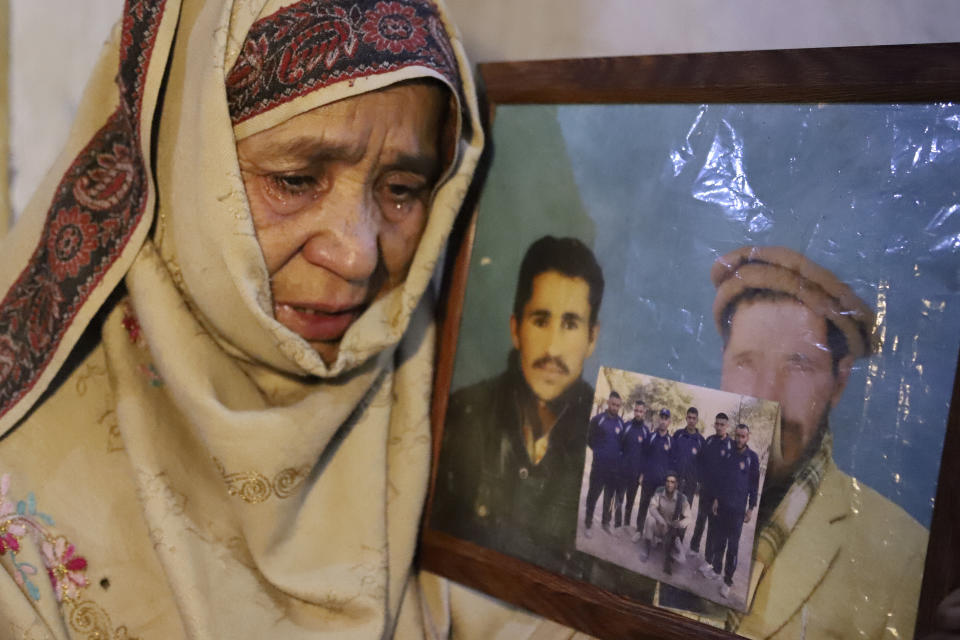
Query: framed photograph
(769, 236)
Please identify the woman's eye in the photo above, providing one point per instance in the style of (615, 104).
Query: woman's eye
(290, 193)
(294, 185)
(398, 193)
(400, 190)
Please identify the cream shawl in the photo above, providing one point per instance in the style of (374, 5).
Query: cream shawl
(175, 463)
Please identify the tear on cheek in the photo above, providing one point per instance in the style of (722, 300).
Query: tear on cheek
(400, 242)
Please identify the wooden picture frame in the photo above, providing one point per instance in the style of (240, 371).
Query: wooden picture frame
(885, 74)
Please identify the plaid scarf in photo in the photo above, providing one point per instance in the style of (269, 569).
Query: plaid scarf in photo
(775, 532)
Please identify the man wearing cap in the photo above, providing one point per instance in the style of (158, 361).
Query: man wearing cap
(604, 441)
(715, 449)
(657, 461)
(511, 462)
(835, 558)
(687, 446)
(635, 433)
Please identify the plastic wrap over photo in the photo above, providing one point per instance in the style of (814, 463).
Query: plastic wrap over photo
(665, 489)
(804, 254)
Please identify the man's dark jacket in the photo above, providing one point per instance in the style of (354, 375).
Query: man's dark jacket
(488, 490)
(740, 480)
(631, 460)
(715, 452)
(657, 458)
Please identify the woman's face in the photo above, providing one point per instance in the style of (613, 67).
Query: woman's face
(339, 197)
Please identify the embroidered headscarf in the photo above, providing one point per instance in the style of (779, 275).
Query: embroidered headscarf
(263, 475)
(274, 62)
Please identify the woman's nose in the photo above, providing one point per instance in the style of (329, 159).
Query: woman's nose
(344, 232)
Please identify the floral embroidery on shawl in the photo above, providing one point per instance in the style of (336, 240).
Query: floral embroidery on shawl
(253, 487)
(395, 27)
(151, 374)
(65, 568)
(132, 325)
(316, 43)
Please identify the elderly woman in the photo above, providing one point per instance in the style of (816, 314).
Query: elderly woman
(215, 334)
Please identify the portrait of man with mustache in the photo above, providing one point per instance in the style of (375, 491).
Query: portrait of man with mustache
(513, 448)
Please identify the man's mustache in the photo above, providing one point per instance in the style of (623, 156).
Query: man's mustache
(548, 360)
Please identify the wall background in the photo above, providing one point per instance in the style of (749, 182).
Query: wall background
(529, 29)
(53, 46)
(54, 43)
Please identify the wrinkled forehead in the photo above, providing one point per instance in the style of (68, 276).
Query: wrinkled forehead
(784, 320)
(297, 56)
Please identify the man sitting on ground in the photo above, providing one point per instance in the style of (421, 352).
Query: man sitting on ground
(667, 520)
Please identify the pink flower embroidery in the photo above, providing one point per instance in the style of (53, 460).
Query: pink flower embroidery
(393, 26)
(10, 528)
(19, 519)
(23, 574)
(64, 568)
(8, 540)
(131, 324)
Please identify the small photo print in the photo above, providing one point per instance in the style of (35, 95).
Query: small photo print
(672, 480)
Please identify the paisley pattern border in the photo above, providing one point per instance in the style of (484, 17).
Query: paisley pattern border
(94, 211)
(315, 43)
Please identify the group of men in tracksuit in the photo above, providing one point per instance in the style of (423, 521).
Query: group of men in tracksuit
(628, 456)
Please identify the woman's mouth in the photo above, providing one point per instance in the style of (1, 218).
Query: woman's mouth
(314, 323)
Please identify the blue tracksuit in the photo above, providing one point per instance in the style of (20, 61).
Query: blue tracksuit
(604, 440)
(631, 466)
(657, 461)
(687, 448)
(715, 451)
(739, 483)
